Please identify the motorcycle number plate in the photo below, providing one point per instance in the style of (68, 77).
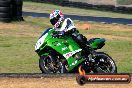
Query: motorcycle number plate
(40, 41)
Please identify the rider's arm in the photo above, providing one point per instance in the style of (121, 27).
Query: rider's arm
(67, 28)
(67, 25)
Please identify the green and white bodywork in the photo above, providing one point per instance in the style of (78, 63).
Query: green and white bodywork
(65, 46)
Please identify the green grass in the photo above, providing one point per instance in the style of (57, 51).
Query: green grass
(17, 47)
(17, 55)
(124, 2)
(121, 52)
(109, 32)
(48, 8)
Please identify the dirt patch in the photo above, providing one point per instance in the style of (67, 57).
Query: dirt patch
(84, 26)
(21, 34)
(130, 5)
(109, 27)
(100, 26)
(98, 2)
(112, 27)
(111, 37)
(53, 83)
(19, 30)
(27, 30)
(14, 26)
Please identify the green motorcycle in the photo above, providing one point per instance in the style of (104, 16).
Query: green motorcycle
(64, 55)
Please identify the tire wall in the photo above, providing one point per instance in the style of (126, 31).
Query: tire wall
(10, 10)
(5, 10)
(17, 10)
(83, 4)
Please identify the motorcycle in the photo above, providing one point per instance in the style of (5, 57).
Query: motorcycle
(64, 55)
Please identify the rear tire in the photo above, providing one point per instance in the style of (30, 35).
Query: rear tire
(5, 15)
(5, 9)
(5, 3)
(107, 61)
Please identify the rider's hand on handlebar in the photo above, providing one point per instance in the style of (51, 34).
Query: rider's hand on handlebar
(58, 34)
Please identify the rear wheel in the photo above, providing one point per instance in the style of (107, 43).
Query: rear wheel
(105, 64)
(51, 64)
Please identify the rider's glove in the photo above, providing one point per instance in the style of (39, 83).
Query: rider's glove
(61, 33)
(70, 32)
(58, 34)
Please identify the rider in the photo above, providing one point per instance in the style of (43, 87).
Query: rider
(66, 27)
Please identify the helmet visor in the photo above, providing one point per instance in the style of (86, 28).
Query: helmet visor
(55, 20)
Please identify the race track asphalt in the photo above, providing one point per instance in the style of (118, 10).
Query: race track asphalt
(30, 80)
(39, 75)
(85, 18)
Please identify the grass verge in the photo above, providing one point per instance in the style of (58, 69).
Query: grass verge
(17, 42)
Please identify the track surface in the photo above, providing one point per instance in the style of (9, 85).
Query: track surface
(85, 18)
(34, 75)
(39, 75)
(53, 83)
(49, 81)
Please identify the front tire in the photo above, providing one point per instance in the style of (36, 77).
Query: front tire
(51, 64)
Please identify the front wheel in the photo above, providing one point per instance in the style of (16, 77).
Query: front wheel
(105, 64)
(50, 64)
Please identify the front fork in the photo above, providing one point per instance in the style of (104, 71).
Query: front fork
(90, 62)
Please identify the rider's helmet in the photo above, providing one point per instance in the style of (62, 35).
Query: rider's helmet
(56, 18)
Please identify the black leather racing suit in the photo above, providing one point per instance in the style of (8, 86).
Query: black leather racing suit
(68, 28)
